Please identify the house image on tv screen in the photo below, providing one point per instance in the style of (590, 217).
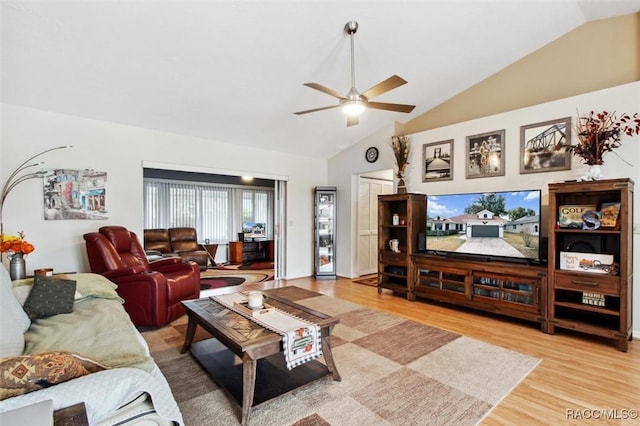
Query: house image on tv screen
(254, 230)
(503, 224)
(481, 224)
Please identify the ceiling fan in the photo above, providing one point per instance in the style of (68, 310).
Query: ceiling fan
(354, 102)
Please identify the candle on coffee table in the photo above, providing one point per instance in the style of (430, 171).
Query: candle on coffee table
(255, 299)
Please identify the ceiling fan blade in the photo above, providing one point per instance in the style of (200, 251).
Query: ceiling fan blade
(352, 121)
(390, 107)
(324, 89)
(316, 109)
(384, 86)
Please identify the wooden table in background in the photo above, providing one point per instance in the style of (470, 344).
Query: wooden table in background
(211, 250)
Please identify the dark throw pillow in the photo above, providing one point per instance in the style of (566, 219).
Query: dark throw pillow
(50, 296)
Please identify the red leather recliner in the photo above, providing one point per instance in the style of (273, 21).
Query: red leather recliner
(152, 291)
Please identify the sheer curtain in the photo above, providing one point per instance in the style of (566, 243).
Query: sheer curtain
(217, 211)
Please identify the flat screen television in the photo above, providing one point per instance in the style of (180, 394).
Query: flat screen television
(502, 225)
(254, 230)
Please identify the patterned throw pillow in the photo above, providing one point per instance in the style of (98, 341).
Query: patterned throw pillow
(50, 296)
(28, 373)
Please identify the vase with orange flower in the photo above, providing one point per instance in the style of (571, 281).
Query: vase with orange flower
(17, 248)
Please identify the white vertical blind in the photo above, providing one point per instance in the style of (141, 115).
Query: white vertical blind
(183, 206)
(214, 215)
(216, 211)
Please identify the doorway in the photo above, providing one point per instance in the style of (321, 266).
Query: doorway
(266, 195)
(370, 185)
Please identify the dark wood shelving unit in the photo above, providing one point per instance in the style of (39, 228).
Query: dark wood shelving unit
(395, 269)
(593, 297)
(570, 290)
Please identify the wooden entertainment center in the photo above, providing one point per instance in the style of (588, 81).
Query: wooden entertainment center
(515, 290)
(546, 294)
(250, 251)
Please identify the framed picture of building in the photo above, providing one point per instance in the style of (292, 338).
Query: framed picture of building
(75, 194)
(437, 161)
(544, 146)
(485, 154)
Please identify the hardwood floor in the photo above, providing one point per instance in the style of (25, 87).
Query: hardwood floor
(578, 373)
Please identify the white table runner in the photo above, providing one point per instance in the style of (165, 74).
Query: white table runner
(301, 339)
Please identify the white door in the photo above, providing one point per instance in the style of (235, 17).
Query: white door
(367, 251)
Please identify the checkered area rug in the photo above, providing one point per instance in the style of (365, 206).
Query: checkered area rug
(394, 372)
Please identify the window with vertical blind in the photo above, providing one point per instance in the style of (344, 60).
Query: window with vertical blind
(217, 211)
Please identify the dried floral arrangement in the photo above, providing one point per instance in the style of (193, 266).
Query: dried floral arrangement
(600, 132)
(401, 146)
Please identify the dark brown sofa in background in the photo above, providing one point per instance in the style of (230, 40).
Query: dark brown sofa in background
(176, 241)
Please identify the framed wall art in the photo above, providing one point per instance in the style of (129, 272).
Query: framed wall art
(437, 161)
(544, 147)
(485, 154)
(75, 194)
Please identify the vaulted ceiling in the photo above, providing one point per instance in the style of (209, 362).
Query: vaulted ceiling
(233, 71)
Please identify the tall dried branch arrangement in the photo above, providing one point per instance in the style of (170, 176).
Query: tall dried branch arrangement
(401, 146)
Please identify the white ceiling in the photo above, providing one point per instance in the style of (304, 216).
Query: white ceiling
(232, 71)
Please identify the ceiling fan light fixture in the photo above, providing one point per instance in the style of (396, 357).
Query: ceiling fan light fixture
(354, 103)
(353, 108)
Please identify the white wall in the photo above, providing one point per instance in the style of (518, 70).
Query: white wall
(623, 99)
(343, 174)
(120, 151)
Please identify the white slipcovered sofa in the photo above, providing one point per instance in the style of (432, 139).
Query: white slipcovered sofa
(128, 388)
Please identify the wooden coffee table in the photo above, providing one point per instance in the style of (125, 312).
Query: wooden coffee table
(259, 349)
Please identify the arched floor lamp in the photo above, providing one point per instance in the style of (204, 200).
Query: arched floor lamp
(19, 175)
